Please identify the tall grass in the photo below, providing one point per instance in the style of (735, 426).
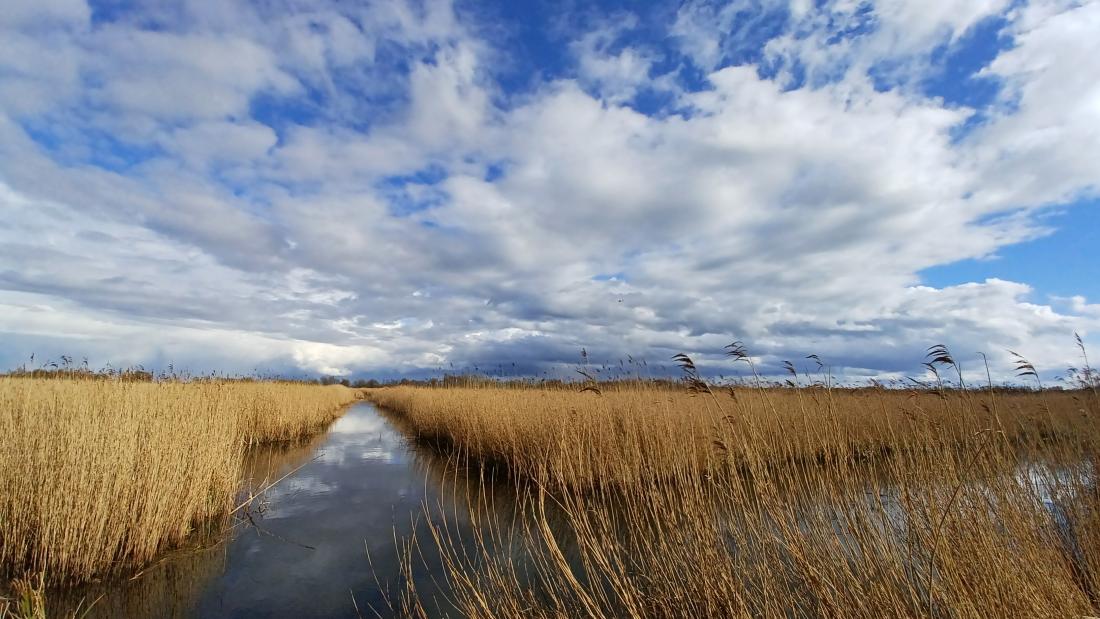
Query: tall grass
(635, 434)
(766, 502)
(99, 476)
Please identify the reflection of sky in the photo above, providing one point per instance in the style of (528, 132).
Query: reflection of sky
(356, 436)
(351, 498)
(363, 489)
(1053, 483)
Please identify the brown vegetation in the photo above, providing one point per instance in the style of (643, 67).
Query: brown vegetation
(767, 502)
(100, 476)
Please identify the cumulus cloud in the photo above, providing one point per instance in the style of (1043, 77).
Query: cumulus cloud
(614, 70)
(1039, 146)
(349, 189)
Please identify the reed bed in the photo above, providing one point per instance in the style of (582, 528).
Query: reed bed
(634, 434)
(763, 502)
(100, 476)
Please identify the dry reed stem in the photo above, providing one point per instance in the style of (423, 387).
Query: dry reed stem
(100, 476)
(834, 503)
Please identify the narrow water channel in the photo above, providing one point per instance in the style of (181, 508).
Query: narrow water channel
(303, 550)
(328, 539)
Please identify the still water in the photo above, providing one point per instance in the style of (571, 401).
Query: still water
(328, 539)
(302, 551)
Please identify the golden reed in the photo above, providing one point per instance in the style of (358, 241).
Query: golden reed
(99, 476)
(770, 502)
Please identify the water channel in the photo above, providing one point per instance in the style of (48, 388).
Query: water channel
(325, 541)
(328, 539)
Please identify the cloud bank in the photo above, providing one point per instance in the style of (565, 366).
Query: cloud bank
(403, 187)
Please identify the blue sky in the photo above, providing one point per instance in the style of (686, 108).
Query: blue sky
(396, 188)
(1058, 264)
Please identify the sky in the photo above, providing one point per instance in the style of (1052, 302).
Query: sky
(414, 187)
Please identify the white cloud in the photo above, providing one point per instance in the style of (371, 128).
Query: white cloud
(220, 142)
(176, 77)
(332, 359)
(795, 219)
(33, 12)
(896, 38)
(447, 106)
(616, 75)
(1043, 147)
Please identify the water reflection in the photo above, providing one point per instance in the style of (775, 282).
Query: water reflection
(331, 536)
(307, 556)
(841, 512)
(301, 550)
(168, 588)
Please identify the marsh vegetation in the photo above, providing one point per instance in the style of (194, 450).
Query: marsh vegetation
(484, 498)
(99, 477)
(636, 500)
